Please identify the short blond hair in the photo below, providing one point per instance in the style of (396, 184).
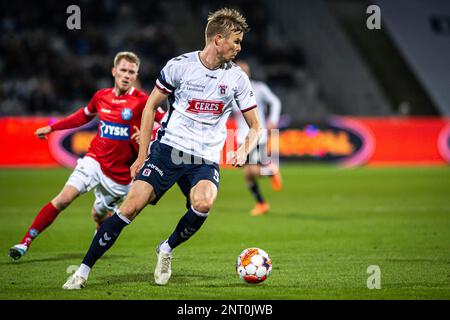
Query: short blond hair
(225, 21)
(127, 55)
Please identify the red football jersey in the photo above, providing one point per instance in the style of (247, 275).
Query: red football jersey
(113, 147)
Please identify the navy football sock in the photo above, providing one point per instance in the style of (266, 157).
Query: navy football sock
(189, 224)
(254, 189)
(104, 239)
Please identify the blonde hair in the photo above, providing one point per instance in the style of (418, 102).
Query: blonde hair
(127, 55)
(225, 21)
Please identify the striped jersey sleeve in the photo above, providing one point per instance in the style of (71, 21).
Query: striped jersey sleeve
(169, 77)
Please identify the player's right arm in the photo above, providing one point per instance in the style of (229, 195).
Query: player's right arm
(75, 120)
(42, 132)
(166, 83)
(155, 99)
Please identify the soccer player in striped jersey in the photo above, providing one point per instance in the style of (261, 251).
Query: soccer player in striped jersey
(105, 167)
(201, 87)
(258, 159)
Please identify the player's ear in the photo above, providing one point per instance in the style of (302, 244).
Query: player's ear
(113, 72)
(218, 39)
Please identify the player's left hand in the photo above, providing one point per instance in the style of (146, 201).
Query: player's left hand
(236, 159)
(271, 126)
(230, 157)
(136, 135)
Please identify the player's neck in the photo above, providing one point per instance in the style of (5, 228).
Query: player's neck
(118, 92)
(209, 58)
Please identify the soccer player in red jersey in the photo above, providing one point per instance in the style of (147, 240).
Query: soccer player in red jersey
(106, 166)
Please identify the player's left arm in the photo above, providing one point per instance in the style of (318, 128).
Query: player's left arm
(246, 102)
(136, 136)
(251, 140)
(274, 104)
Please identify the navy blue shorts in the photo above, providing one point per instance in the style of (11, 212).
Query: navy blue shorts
(161, 172)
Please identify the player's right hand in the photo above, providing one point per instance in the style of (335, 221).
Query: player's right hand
(135, 167)
(42, 132)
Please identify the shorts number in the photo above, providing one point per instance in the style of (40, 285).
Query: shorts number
(216, 175)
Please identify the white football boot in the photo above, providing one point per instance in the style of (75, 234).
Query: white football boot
(74, 282)
(163, 269)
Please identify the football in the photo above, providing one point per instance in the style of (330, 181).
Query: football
(253, 265)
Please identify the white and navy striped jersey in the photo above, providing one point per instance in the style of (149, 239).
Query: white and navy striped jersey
(200, 103)
(265, 98)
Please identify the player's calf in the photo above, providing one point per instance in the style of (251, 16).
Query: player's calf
(188, 225)
(105, 237)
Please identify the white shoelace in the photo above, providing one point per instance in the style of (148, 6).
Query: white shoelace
(165, 262)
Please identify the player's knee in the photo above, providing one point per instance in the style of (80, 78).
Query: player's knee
(202, 203)
(99, 217)
(128, 210)
(138, 197)
(130, 207)
(95, 216)
(62, 201)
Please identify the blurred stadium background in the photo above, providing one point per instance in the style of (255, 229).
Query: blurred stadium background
(351, 97)
(319, 57)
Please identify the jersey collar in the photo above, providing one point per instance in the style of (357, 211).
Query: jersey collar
(200, 61)
(129, 92)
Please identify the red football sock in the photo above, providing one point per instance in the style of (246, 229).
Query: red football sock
(44, 218)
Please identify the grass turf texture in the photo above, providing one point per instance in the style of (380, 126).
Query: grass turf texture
(325, 228)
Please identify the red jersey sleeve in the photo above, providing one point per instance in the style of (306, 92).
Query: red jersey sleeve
(80, 117)
(91, 108)
(75, 120)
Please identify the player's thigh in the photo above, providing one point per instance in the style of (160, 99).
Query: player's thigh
(140, 194)
(106, 201)
(65, 197)
(108, 194)
(159, 171)
(86, 175)
(203, 195)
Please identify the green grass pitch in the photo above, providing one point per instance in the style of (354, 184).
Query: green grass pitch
(326, 227)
